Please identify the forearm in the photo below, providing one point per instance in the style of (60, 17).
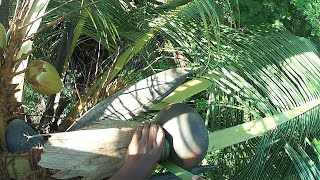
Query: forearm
(130, 171)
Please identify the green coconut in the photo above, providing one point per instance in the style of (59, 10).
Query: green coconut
(186, 134)
(43, 77)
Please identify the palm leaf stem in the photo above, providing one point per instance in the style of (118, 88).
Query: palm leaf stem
(243, 132)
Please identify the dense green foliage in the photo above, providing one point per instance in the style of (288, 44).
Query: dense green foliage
(310, 10)
(261, 57)
(299, 16)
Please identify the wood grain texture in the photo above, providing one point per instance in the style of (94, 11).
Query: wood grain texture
(128, 103)
(91, 153)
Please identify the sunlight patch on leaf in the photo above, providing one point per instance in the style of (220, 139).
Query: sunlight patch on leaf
(230, 136)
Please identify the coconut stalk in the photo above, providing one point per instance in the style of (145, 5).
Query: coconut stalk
(131, 101)
(68, 43)
(55, 102)
(88, 156)
(92, 159)
(31, 22)
(101, 155)
(88, 153)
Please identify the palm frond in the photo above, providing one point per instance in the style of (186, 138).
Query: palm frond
(267, 72)
(303, 163)
(256, 74)
(274, 73)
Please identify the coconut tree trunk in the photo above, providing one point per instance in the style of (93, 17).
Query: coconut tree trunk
(4, 12)
(23, 166)
(14, 59)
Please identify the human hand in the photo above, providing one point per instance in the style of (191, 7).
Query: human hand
(144, 151)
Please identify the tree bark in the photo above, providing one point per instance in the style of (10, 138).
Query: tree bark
(23, 166)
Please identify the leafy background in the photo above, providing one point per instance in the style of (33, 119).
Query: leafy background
(261, 58)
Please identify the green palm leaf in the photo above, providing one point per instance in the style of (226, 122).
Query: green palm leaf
(268, 72)
(260, 78)
(303, 163)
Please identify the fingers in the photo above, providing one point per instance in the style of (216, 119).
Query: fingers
(160, 137)
(134, 144)
(137, 134)
(147, 137)
(152, 135)
(145, 132)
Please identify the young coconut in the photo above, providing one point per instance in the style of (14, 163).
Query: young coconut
(186, 134)
(19, 137)
(43, 77)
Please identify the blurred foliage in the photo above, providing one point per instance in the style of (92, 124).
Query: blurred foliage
(311, 11)
(302, 17)
(218, 37)
(32, 99)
